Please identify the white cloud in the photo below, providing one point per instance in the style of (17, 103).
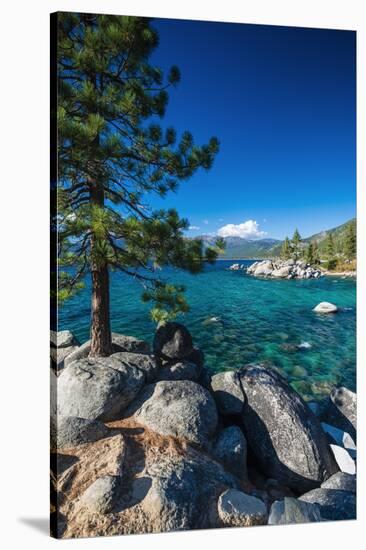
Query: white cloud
(194, 227)
(206, 222)
(246, 230)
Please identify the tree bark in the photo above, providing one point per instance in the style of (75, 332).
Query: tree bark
(100, 331)
(101, 340)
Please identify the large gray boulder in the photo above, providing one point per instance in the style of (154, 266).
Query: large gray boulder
(70, 431)
(238, 509)
(334, 504)
(63, 339)
(120, 342)
(341, 481)
(341, 411)
(179, 408)
(146, 363)
(97, 388)
(172, 341)
(231, 450)
(227, 392)
(282, 432)
(102, 495)
(183, 370)
(291, 510)
(183, 491)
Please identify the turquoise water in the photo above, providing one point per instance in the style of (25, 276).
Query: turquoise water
(237, 319)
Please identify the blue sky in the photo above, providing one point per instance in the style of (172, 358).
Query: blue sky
(281, 101)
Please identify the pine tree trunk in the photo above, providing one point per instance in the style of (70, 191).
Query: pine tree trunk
(100, 331)
(101, 341)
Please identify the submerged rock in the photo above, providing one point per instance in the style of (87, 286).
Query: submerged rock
(284, 435)
(179, 408)
(325, 307)
(172, 341)
(231, 450)
(70, 431)
(97, 388)
(227, 392)
(291, 510)
(238, 509)
(334, 504)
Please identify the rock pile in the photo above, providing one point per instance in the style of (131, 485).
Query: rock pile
(284, 269)
(147, 442)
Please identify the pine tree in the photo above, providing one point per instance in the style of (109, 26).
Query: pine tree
(330, 251)
(286, 249)
(350, 241)
(110, 161)
(295, 244)
(309, 255)
(316, 259)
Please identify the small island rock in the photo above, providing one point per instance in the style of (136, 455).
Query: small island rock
(325, 307)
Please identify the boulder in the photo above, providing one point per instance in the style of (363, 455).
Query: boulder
(282, 432)
(172, 341)
(344, 460)
(263, 269)
(182, 490)
(130, 344)
(333, 504)
(143, 361)
(341, 438)
(102, 495)
(97, 388)
(70, 431)
(183, 370)
(238, 509)
(341, 481)
(231, 450)
(120, 342)
(325, 307)
(281, 272)
(58, 355)
(172, 500)
(179, 408)
(227, 392)
(341, 411)
(63, 339)
(291, 510)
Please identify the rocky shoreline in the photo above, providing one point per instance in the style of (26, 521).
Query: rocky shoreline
(287, 269)
(146, 440)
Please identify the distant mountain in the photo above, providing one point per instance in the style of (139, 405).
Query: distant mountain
(239, 249)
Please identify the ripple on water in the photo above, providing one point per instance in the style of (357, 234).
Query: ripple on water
(249, 320)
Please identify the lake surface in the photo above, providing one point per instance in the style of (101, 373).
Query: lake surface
(237, 319)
